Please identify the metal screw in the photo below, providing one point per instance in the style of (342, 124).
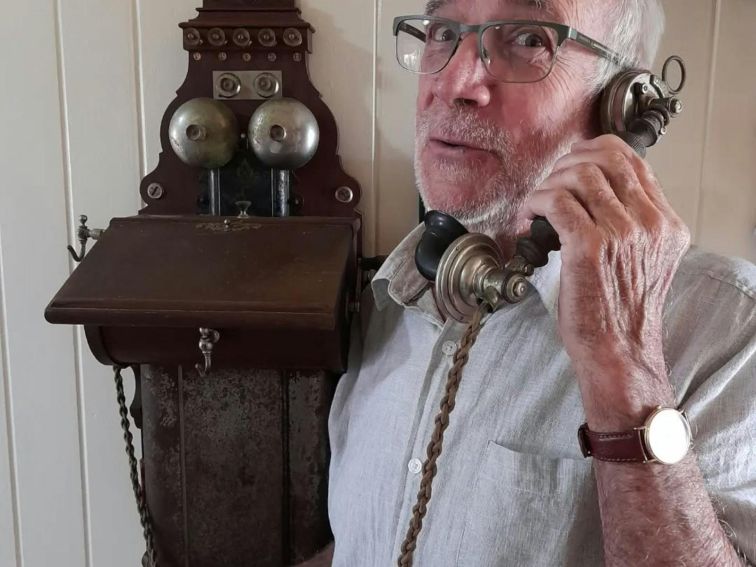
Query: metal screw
(229, 84)
(278, 133)
(292, 37)
(197, 56)
(267, 37)
(272, 57)
(192, 37)
(344, 195)
(644, 88)
(217, 37)
(155, 191)
(676, 106)
(222, 56)
(297, 57)
(241, 37)
(247, 57)
(519, 289)
(196, 132)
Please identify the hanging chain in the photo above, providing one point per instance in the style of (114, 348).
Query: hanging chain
(150, 558)
(437, 438)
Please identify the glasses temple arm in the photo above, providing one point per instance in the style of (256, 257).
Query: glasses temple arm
(412, 30)
(596, 46)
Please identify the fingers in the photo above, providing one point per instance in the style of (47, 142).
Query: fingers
(565, 213)
(643, 172)
(589, 185)
(603, 184)
(622, 178)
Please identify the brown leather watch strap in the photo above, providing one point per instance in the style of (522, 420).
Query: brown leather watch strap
(620, 447)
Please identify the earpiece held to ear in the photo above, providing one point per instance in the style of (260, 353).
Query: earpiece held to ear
(468, 269)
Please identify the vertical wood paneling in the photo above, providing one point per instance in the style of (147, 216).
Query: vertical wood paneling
(83, 109)
(395, 132)
(40, 369)
(677, 157)
(100, 103)
(728, 205)
(163, 64)
(9, 549)
(342, 68)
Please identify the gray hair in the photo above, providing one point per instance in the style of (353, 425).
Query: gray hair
(635, 33)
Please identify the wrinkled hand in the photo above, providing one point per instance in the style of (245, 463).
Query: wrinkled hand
(621, 245)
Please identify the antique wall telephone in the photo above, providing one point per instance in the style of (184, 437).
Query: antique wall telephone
(472, 278)
(230, 296)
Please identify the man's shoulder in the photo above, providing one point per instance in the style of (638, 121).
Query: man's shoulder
(711, 308)
(713, 275)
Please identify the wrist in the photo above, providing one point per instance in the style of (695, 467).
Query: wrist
(620, 397)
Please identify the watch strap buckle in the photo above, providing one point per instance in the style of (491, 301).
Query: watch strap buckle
(584, 441)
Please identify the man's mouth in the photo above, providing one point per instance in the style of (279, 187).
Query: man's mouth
(455, 144)
(455, 147)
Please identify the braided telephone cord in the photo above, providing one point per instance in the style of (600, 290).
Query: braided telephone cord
(437, 438)
(150, 558)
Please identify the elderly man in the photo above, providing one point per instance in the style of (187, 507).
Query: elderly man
(624, 320)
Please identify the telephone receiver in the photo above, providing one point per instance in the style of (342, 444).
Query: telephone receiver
(468, 268)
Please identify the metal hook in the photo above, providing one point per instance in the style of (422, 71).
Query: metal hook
(208, 338)
(84, 233)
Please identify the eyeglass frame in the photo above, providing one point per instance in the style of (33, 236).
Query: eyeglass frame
(564, 32)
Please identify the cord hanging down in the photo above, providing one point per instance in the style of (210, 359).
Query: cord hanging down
(437, 438)
(150, 557)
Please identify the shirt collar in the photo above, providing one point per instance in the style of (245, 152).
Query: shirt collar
(399, 281)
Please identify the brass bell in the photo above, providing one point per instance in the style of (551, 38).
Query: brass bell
(284, 133)
(204, 132)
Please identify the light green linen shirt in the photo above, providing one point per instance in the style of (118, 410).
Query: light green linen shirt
(512, 486)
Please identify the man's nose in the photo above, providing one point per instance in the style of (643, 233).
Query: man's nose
(464, 80)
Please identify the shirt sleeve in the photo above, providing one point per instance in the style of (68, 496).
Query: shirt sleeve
(717, 372)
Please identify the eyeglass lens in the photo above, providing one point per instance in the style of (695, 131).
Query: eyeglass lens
(512, 52)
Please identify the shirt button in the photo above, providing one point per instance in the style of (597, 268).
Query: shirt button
(415, 466)
(449, 348)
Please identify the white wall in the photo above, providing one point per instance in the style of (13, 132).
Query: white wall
(83, 86)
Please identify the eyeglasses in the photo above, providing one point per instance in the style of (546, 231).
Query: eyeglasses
(512, 51)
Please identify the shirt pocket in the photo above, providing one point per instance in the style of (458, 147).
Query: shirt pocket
(531, 510)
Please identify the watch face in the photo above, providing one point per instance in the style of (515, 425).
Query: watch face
(668, 436)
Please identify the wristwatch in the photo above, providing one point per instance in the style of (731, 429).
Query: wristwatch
(664, 438)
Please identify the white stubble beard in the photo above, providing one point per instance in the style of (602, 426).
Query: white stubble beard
(495, 210)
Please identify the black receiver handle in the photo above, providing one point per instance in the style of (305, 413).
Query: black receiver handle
(646, 130)
(440, 231)
(642, 133)
(542, 240)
